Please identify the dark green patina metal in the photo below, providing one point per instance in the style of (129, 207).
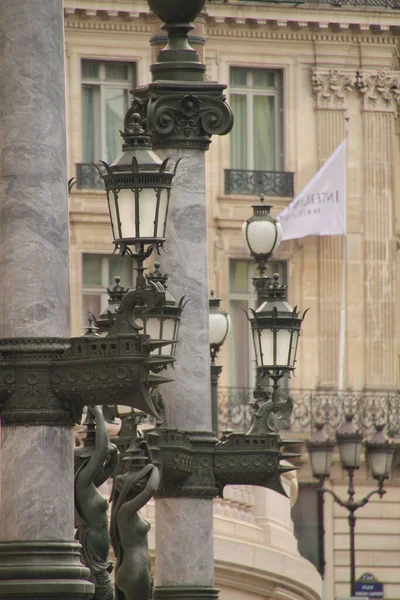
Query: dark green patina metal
(197, 464)
(95, 461)
(180, 108)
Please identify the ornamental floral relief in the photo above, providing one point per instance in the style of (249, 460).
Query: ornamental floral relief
(331, 87)
(380, 90)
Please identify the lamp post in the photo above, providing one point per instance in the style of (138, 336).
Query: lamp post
(219, 323)
(275, 325)
(379, 453)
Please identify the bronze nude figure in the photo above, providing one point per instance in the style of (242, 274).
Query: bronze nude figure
(132, 490)
(95, 462)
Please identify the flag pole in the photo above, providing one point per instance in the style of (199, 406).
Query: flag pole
(342, 316)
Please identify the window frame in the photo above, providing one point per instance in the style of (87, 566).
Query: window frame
(100, 128)
(100, 290)
(249, 92)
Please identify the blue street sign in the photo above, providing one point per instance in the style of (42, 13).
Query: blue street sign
(367, 586)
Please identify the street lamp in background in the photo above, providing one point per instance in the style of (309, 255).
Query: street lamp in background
(379, 452)
(275, 325)
(219, 322)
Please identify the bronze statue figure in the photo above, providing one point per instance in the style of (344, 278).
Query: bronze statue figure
(132, 490)
(95, 462)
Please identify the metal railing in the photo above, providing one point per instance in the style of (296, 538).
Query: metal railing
(268, 183)
(311, 407)
(87, 177)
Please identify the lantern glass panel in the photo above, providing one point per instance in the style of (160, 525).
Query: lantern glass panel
(350, 453)
(267, 347)
(219, 325)
(380, 461)
(293, 347)
(147, 212)
(162, 212)
(282, 347)
(127, 213)
(168, 328)
(113, 214)
(261, 236)
(321, 461)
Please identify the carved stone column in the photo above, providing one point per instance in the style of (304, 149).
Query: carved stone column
(380, 96)
(330, 88)
(183, 111)
(38, 555)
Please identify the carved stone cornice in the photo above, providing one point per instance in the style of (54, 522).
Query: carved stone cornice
(380, 90)
(184, 114)
(331, 87)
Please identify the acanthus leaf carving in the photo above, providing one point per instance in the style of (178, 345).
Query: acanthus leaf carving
(331, 87)
(380, 90)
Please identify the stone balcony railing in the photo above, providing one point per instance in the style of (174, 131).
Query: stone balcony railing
(268, 183)
(311, 407)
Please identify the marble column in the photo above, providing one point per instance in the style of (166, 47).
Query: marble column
(183, 111)
(184, 526)
(38, 556)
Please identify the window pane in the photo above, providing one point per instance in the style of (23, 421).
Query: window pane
(88, 134)
(239, 276)
(116, 105)
(238, 77)
(239, 132)
(264, 138)
(239, 344)
(116, 71)
(263, 79)
(90, 69)
(120, 267)
(91, 303)
(92, 264)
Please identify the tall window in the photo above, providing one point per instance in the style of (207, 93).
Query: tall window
(105, 100)
(242, 297)
(308, 521)
(98, 272)
(256, 97)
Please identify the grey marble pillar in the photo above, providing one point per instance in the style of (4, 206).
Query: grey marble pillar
(36, 459)
(184, 526)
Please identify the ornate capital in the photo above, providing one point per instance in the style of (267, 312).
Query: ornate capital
(184, 115)
(380, 90)
(331, 87)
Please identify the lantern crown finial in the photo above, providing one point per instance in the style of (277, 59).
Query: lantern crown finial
(134, 135)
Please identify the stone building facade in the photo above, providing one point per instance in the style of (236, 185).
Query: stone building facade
(299, 75)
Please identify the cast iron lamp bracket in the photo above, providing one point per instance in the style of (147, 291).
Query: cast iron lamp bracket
(196, 464)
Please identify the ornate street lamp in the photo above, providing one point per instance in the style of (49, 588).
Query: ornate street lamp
(320, 449)
(275, 327)
(262, 234)
(219, 325)
(162, 322)
(380, 454)
(138, 190)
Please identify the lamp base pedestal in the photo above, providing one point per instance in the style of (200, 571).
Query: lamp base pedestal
(43, 569)
(186, 592)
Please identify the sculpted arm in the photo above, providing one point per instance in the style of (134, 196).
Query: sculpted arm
(134, 505)
(89, 472)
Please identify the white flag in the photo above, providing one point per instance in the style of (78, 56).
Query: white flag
(320, 209)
